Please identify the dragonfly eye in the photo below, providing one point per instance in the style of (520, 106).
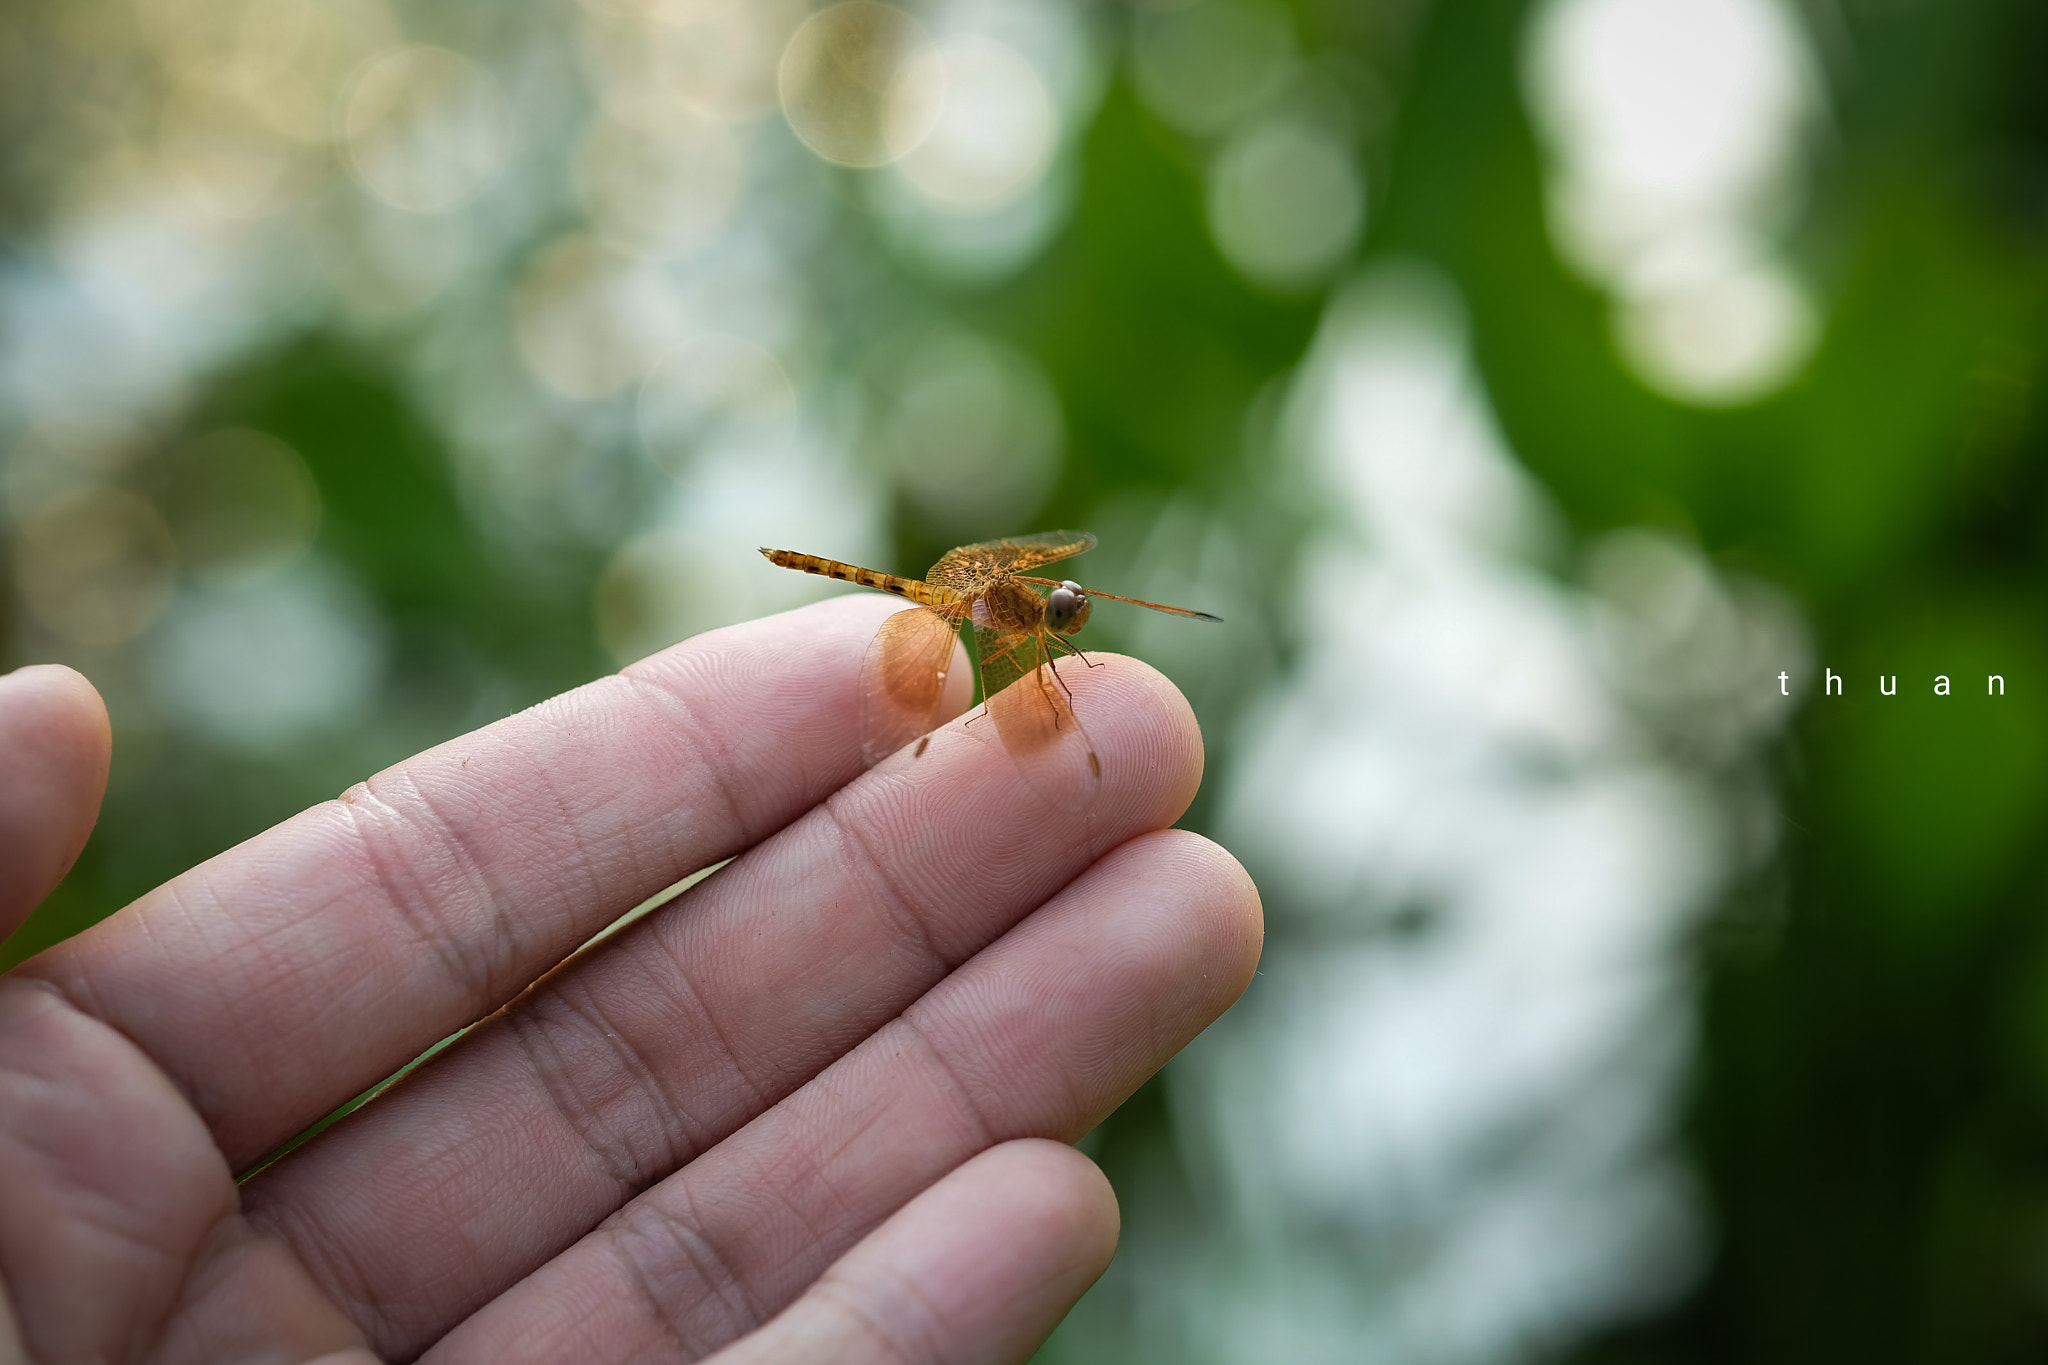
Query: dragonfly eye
(1066, 608)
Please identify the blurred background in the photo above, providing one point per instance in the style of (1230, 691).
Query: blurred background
(1545, 391)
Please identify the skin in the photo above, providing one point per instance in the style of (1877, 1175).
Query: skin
(815, 1109)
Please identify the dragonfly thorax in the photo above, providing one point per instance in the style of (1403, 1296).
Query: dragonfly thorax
(1066, 608)
(1009, 606)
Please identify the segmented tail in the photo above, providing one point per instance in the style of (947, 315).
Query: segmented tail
(868, 578)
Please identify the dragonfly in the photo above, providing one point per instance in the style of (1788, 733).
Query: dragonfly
(1019, 635)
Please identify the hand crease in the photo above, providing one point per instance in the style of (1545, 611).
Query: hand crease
(665, 702)
(984, 1132)
(895, 1344)
(610, 1148)
(714, 1270)
(469, 970)
(912, 926)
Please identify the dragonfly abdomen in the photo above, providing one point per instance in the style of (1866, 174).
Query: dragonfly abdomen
(909, 588)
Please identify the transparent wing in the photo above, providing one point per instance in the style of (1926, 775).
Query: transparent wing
(1005, 656)
(1035, 718)
(903, 679)
(972, 568)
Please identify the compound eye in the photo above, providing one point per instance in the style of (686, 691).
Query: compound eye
(1065, 606)
(1061, 606)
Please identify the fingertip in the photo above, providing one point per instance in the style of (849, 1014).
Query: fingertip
(1144, 729)
(56, 744)
(1058, 1195)
(1186, 920)
(1229, 901)
(981, 1266)
(64, 701)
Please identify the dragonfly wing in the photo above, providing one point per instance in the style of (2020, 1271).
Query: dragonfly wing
(971, 568)
(1003, 656)
(1035, 718)
(903, 680)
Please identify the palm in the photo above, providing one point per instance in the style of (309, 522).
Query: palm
(664, 1143)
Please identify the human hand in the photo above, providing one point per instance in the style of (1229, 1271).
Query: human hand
(798, 1114)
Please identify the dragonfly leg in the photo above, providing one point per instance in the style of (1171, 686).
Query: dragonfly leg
(1005, 652)
(1075, 650)
(1051, 699)
(1050, 667)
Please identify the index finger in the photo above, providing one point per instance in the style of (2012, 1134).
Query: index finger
(295, 970)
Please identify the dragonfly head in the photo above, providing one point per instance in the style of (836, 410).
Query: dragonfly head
(1066, 608)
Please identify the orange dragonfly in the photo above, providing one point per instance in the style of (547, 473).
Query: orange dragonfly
(1017, 633)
